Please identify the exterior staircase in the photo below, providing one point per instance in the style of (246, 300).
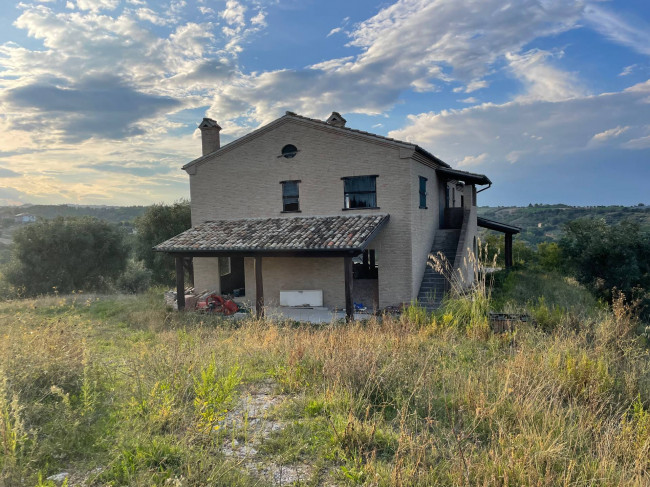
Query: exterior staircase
(433, 286)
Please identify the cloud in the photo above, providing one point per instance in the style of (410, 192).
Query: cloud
(151, 16)
(101, 107)
(542, 81)
(97, 5)
(11, 197)
(259, 19)
(8, 173)
(136, 168)
(609, 134)
(628, 70)
(335, 30)
(628, 32)
(533, 131)
(470, 99)
(233, 13)
(416, 45)
(469, 161)
(637, 144)
(475, 85)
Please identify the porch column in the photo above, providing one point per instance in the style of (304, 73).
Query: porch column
(189, 263)
(259, 288)
(508, 249)
(180, 283)
(349, 305)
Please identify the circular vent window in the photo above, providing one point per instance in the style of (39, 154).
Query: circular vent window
(289, 151)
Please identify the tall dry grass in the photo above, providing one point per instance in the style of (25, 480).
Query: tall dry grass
(123, 385)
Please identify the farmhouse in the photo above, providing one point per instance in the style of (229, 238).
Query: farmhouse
(305, 211)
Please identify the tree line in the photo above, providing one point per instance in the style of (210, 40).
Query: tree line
(71, 254)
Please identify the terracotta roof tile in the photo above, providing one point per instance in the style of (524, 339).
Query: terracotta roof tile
(349, 232)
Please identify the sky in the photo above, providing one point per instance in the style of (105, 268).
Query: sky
(100, 99)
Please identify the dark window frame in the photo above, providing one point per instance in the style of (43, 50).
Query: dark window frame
(289, 151)
(360, 193)
(286, 198)
(423, 192)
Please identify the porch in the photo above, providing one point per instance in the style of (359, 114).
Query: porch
(266, 242)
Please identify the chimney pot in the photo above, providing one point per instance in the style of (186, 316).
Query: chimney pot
(209, 135)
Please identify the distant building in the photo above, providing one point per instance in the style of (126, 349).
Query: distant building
(24, 218)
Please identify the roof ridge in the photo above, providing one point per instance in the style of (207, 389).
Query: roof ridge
(256, 218)
(323, 122)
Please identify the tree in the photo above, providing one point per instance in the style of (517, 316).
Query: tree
(66, 255)
(605, 257)
(157, 224)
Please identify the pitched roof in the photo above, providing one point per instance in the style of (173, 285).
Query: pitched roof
(271, 235)
(291, 115)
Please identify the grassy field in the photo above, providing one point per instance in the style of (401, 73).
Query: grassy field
(117, 390)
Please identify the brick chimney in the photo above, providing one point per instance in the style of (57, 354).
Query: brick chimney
(336, 119)
(209, 135)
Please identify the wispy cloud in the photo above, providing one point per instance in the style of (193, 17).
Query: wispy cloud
(627, 70)
(630, 32)
(541, 80)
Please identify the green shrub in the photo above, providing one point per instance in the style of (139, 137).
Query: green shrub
(135, 279)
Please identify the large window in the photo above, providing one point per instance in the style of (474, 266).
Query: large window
(423, 192)
(360, 192)
(290, 196)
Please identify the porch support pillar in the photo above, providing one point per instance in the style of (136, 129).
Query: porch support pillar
(180, 283)
(189, 264)
(508, 249)
(259, 288)
(349, 305)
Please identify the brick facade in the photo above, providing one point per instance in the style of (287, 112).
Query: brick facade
(242, 180)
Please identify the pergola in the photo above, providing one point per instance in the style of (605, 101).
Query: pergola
(317, 236)
(508, 230)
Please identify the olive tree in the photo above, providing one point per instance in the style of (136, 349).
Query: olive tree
(65, 255)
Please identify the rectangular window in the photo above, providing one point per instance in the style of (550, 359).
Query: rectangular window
(423, 192)
(360, 192)
(290, 196)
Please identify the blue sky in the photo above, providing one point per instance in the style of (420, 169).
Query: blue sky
(100, 99)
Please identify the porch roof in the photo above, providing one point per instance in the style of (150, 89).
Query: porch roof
(497, 226)
(326, 235)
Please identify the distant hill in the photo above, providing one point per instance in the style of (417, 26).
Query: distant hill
(540, 223)
(113, 214)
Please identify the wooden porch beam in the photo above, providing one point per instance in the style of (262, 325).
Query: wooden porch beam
(508, 249)
(259, 288)
(349, 305)
(180, 283)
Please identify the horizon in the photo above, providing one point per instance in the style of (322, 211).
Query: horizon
(101, 99)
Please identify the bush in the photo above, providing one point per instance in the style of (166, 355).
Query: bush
(605, 257)
(135, 279)
(65, 255)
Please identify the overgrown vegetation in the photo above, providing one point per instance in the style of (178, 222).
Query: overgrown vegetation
(121, 391)
(61, 256)
(157, 224)
(545, 223)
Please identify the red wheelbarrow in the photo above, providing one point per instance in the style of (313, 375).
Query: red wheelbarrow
(216, 304)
